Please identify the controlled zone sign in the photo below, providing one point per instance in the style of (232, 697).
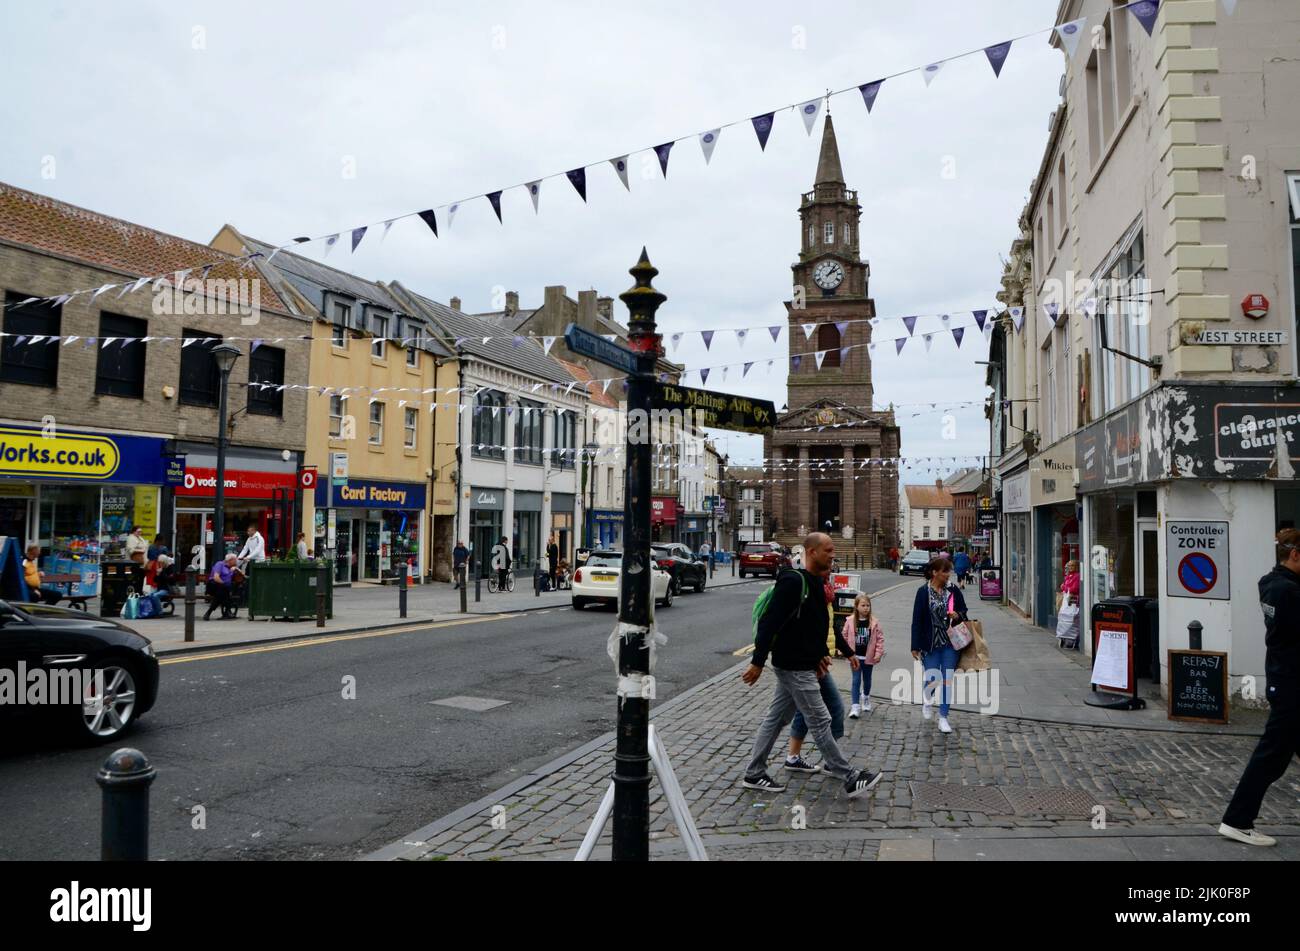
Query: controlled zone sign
(1196, 560)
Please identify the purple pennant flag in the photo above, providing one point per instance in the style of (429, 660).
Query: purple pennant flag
(517, 341)
(763, 128)
(775, 332)
(255, 344)
(704, 375)
(1053, 311)
(745, 372)
(980, 317)
(910, 323)
(997, 55)
(796, 360)
(844, 353)
(495, 198)
(357, 235)
(841, 326)
(708, 338)
(301, 240)
(662, 151)
(898, 345)
(430, 219)
(578, 178)
(869, 92)
(957, 334)
(1146, 12)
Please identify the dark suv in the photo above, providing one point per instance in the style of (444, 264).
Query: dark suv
(685, 570)
(763, 558)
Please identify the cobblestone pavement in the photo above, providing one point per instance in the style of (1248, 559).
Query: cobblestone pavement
(1162, 793)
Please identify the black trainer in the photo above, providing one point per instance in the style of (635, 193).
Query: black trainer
(865, 782)
(801, 765)
(764, 783)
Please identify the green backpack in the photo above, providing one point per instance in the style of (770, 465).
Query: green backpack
(765, 600)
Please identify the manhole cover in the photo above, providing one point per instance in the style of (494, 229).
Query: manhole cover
(477, 704)
(932, 797)
(1050, 802)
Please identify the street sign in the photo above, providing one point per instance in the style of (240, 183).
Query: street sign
(740, 414)
(598, 348)
(339, 468)
(1243, 338)
(1197, 559)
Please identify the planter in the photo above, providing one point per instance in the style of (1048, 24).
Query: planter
(287, 589)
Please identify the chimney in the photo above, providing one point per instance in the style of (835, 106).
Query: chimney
(455, 303)
(605, 307)
(938, 484)
(512, 303)
(587, 309)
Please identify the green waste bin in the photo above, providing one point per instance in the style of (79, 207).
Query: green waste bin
(287, 589)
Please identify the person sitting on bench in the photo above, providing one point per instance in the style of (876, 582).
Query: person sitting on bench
(34, 577)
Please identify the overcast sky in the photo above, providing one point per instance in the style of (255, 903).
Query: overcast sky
(183, 117)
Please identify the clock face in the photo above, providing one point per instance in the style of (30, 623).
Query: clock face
(828, 275)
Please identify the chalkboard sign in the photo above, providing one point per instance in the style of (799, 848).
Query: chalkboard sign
(1198, 686)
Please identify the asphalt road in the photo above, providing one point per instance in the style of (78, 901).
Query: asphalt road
(283, 766)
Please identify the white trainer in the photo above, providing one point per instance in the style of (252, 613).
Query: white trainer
(944, 726)
(927, 709)
(853, 712)
(866, 706)
(1249, 836)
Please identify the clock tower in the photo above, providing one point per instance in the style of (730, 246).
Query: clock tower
(832, 458)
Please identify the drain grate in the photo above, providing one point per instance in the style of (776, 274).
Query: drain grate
(1055, 801)
(932, 797)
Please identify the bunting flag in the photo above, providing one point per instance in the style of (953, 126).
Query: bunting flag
(495, 199)
(809, 111)
(740, 339)
(1017, 317)
(254, 345)
(931, 71)
(1090, 306)
(620, 166)
(100, 291)
(676, 339)
(841, 326)
(704, 376)
(795, 361)
(775, 331)
(763, 128)
(980, 317)
(869, 92)
(107, 341)
(844, 353)
(388, 226)
(1146, 12)
(707, 141)
(547, 344)
(329, 244)
(662, 151)
(944, 318)
(898, 345)
(535, 193)
(707, 336)
(605, 387)
(1070, 34)
(808, 331)
(910, 323)
(578, 178)
(745, 372)
(820, 355)
(357, 235)
(1052, 310)
(927, 342)
(430, 219)
(997, 54)
(957, 334)
(451, 214)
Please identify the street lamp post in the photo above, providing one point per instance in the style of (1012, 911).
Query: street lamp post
(225, 355)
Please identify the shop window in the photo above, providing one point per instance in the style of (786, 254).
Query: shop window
(828, 339)
(566, 442)
(200, 378)
(376, 423)
(1112, 560)
(409, 426)
(489, 426)
(119, 366)
(29, 363)
(528, 433)
(266, 367)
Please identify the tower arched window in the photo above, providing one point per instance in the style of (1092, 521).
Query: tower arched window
(848, 234)
(812, 235)
(828, 339)
(829, 232)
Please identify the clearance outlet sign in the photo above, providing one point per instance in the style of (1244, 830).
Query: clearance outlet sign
(1196, 560)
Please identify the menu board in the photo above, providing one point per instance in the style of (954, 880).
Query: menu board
(1112, 665)
(1198, 686)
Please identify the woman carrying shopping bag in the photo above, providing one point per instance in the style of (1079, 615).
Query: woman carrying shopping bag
(1067, 608)
(938, 634)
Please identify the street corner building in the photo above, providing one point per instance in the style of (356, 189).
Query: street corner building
(1145, 413)
(109, 395)
(832, 458)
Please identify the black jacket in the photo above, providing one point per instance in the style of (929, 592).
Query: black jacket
(793, 631)
(922, 627)
(1279, 597)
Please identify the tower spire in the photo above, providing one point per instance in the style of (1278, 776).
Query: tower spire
(828, 162)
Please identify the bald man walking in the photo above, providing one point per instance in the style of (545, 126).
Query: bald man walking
(793, 631)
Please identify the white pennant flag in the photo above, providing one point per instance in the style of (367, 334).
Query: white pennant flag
(740, 338)
(451, 215)
(809, 110)
(1070, 34)
(927, 342)
(1017, 317)
(675, 339)
(604, 388)
(547, 344)
(535, 193)
(931, 71)
(68, 340)
(329, 244)
(101, 290)
(820, 355)
(1090, 306)
(620, 166)
(388, 225)
(707, 141)
(808, 331)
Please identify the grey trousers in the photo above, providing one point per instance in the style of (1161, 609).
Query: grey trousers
(798, 690)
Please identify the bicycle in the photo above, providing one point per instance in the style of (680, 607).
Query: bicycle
(494, 586)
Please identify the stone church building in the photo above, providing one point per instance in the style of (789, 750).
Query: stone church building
(845, 475)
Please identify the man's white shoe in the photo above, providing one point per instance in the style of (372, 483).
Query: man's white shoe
(853, 712)
(927, 710)
(944, 726)
(1249, 836)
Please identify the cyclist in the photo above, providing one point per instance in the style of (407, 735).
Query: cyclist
(501, 561)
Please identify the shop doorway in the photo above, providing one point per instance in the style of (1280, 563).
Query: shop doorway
(192, 531)
(371, 566)
(345, 551)
(1148, 558)
(828, 510)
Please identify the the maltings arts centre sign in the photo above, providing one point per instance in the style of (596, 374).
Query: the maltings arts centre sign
(717, 410)
(1192, 431)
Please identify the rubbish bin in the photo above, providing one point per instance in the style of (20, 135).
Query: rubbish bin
(117, 579)
(1144, 615)
(841, 608)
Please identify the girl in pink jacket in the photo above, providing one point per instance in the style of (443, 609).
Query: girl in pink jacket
(867, 641)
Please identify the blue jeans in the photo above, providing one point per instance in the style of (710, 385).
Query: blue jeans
(861, 678)
(834, 705)
(937, 663)
(798, 691)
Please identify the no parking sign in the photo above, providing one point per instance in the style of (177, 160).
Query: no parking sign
(1196, 560)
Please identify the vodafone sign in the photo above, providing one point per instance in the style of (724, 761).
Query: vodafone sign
(240, 483)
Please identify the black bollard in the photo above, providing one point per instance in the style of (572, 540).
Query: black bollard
(321, 581)
(464, 589)
(401, 590)
(478, 586)
(733, 564)
(710, 564)
(1194, 635)
(124, 825)
(190, 574)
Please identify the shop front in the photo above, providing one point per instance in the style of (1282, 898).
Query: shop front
(79, 494)
(663, 518)
(1056, 525)
(695, 530)
(526, 542)
(1015, 527)
(260, 489)
(487, 507)
(605, 529)
(562, 514)
(372, 528)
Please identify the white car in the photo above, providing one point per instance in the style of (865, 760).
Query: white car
(598, 581)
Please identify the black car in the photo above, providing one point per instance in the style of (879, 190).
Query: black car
(683, 567)
(62, 650)
(915, 561)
